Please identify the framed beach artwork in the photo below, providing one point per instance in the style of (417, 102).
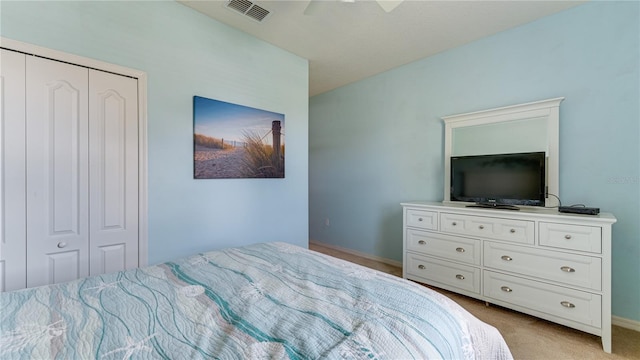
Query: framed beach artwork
(233, 141)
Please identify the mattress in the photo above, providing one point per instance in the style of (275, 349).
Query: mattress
(270, 300)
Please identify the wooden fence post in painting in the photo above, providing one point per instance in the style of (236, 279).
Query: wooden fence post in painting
(275, 131)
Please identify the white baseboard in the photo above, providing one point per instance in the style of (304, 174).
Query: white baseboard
(625, 323)
(358, 253)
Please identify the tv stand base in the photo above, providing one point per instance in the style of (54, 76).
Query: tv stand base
(494, 206)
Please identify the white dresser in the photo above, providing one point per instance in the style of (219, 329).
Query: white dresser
(547, 264)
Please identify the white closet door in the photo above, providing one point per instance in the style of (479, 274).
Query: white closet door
(113, 162)
(57, 172)
(13, 256)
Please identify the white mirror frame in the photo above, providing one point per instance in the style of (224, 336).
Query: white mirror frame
(549, 109)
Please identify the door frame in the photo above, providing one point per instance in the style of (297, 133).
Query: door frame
(141, 76)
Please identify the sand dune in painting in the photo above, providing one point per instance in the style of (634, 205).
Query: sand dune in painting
(217, 163)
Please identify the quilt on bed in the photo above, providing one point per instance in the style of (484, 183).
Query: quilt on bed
(271, 300)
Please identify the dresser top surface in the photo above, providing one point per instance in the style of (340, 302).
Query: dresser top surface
(524, 212)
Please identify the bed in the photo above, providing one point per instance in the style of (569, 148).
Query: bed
(270, 300)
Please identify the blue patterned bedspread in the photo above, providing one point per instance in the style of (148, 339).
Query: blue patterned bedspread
(272, 300)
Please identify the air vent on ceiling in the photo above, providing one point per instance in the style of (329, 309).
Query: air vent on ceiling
(248, 8)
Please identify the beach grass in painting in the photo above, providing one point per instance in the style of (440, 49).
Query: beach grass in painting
(233, 141)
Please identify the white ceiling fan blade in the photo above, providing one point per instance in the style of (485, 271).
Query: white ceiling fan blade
(389, 5)
(312, 7)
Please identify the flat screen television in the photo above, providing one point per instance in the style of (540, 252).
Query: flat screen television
(502, 180)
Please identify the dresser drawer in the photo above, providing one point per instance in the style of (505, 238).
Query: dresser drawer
(422, 219)
(520, 231)
(579, 306)
(573, 237)
(443, 272)
(445, 246)
(576, 270)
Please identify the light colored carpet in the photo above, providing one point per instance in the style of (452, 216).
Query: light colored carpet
(528, 337)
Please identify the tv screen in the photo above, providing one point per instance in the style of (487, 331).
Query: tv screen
(503, 179)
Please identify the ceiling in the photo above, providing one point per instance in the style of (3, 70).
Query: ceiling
(346, 42)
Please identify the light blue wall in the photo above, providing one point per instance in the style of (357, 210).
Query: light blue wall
(377, 142)
(184, 54)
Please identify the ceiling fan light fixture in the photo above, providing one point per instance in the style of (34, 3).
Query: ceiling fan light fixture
(389, 5)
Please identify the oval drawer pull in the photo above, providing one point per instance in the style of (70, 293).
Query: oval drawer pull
(422, 242)
(506, 258)
(512, 231)
(506, 289)
(62, 244)
(454, 223)
(567, 304)
(460, 277)
(419, 219)
(460, 250)
(421, 267)
(481, 227)
(568, 237)
(568, 269)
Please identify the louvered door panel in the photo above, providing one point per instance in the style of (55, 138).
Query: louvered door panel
(113, 141)
(57, 171)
